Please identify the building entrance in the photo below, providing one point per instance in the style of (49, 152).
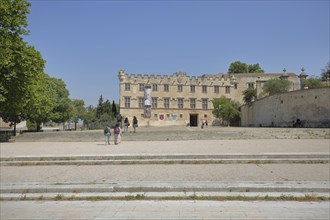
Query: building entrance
(193, 120)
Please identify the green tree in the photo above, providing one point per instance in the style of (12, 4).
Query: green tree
(249, 95)
(106, 107)
(114, 109)
(312, 83)
(226, 109)
(240, 67)
(41, 104)
(89, 117)
(276, 86)
(20, 64)
(79, 111)
(99, 108)
(63, 108)
(325, 75)
(255, 68)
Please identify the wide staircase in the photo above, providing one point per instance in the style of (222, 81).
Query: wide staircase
(195, 166)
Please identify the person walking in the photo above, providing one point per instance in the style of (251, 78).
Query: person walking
(135, 123)
(117, 133)
(126, 124)
(107, 134)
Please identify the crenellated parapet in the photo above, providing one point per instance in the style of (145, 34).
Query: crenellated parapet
(178, 78)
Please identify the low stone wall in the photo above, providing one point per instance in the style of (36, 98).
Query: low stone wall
(310, 107)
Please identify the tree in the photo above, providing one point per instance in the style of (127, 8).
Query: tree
(249, 95)
(226, 109)
(106, 107)
(41, 105)
(240, 67)
(114, 108)
(276, 86)
(99, 108)
(20, 64)
(325, 75)
(90, 116)
(255, 68)
(312, 83)
(79, 111)
(63, 108)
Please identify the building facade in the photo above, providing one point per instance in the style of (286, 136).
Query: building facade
(180, 99)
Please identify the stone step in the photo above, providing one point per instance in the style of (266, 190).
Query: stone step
(172, 186)
(165, 159)
(211, 190)
(188, 195)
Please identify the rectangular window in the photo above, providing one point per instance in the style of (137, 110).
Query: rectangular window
(180, 88)
(251, 85)
(228, 89)
(204, 89)
(127, 102)
(154, 87)
(127, 86)
(166, 87)
(154, 103)
(141, 102)
(192, 103)
(235, 86)
(180, 103)
(141, 87)
(166, 103)
(216, 89)
(192, 88)
(205, 103)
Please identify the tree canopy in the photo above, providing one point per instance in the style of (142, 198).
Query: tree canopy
(240, 67)
(249, 95)
(26, 92)
(21, 65)
(325, 75)
(63, 108)
(41, 103)
(312, 83)
(79, 111)
(226, 109)
(276, 86)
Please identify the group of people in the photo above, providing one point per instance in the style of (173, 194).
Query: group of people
(117, 130)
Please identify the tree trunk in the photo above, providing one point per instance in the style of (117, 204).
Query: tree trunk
(75, 126)
(14, 128)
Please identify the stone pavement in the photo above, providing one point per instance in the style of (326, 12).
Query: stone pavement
(185, 210)
(207, 147)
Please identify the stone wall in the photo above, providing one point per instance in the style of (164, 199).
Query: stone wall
(310, 106)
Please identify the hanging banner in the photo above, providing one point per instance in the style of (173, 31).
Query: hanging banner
(147, 101)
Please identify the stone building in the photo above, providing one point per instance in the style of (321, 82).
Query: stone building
(180, 99)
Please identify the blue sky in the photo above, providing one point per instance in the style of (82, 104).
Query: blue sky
(85, 43)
